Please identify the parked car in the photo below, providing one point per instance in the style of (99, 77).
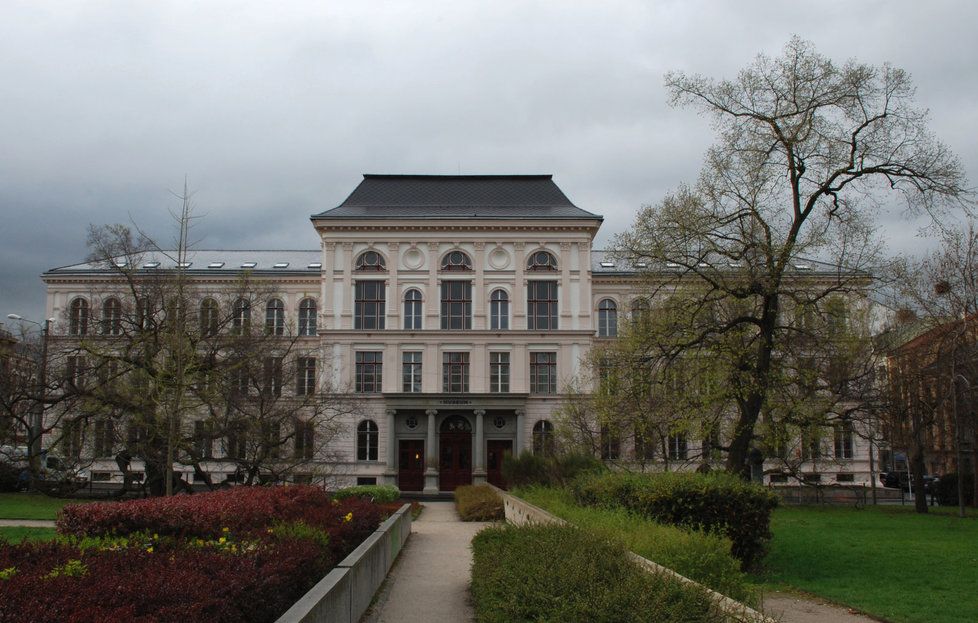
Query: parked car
(901, 480)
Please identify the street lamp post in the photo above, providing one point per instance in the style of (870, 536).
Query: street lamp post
(957, 438)
(37, 415)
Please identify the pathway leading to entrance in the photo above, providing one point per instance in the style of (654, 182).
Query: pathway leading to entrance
(429, 583)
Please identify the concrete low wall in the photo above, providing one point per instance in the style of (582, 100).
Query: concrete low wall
(346, 591)
(520, 513)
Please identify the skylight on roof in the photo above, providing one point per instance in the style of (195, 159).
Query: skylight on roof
(803, 266)
(184, 264)
(249, 264)
(672, 265)
(608, 264)
(280, 265)
(315, 265)
(121, 263)
(216, 265)
(735, 264)
(641, 264)
(703, 265)
(151, 265)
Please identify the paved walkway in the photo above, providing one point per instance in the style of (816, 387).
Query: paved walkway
(802, 609)
(26, 523)
(429, 583)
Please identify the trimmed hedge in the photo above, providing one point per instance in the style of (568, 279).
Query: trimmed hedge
(550, 471)
(382, 494)
(700, 556)
(478, 503)
(713, 502)
(244, 554)
(561, 573)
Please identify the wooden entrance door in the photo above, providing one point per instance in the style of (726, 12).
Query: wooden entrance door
(454, 453)
(410, 472)
(496, 449)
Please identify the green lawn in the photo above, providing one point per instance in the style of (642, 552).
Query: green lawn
(886, 561)
(16, 535)
(32, 506)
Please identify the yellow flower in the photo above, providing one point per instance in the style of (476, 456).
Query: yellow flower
(349, 517)
(270, 531)
(149, 550)
(155, 536)
(222, 540)
(225, 529)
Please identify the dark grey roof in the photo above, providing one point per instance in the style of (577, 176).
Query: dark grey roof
(457, 196)
(205, 261)
(607, 263)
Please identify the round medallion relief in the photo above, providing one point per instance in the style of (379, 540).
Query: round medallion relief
(414, 258)
(499, 258)
(411, 422)
(499, 422)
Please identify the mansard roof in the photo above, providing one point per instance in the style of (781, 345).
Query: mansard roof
(213, 261)
(457, 196)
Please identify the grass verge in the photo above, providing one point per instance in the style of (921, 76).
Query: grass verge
(18, 534)
(887, 561)
(32, 505)
(702, 557)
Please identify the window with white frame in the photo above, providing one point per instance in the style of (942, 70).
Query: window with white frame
(541, 305)
(368, 438)
(413, 310)
(456, 305)
(499, 309)
(499, 373)
(411, 371)
(78, 317)
(307, 317)
(370, 305)
(112, 316)
(209, 317)
(543, 373)
(455, 373)
(607, 318)
(305, 376)
(369, 372)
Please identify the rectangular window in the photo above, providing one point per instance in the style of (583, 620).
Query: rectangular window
(411, 370)
(678, 447)
(305, 376)
(541, 305)
(456, 305)
(543, 373)
(272, 377)
(203, 445)
(644, 445)
(370, 307)
(455, 373)
(75, 372)
(237, 441)
(811, 445)
(499, 373)
(610, 444)
(71, 438)
(104, 437)
(843, 440)
(272, 439)
(304, 439)
(369, 372)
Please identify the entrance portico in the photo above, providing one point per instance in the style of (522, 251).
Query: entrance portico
(452, 435)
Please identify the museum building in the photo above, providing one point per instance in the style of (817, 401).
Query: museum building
(456, 308)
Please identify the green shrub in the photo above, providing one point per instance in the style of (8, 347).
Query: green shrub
(561, 573)
(698, 555)
(381, 494)
(711, 502)
(478, 503)
(557, 470)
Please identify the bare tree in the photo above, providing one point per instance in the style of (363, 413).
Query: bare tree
(805, 148)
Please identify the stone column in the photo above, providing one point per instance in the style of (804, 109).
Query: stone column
(564, 290)
(520, 423)
(479, 288)
(519, 287)
(390, 471)
(479, 473)
(431, 458)
(328, 308)
(346, 320)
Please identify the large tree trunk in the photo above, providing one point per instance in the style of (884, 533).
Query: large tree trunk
(917, 478)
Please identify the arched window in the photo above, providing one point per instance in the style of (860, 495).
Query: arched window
(78, 317)
(367, 439)
(499, 309)
(112, 317)
(607, 318)
(275, 317)
(307, 317)
(241, 318)
(543, 438)
(371, 261)
(541, 261)
(412, 309)
(457, 261)
(209, 321)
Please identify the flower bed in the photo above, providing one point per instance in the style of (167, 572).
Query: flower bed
(244, 554)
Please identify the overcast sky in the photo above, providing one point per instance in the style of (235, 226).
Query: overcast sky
(274, 110)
